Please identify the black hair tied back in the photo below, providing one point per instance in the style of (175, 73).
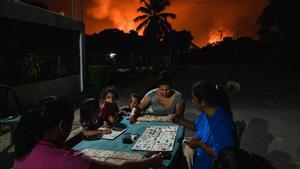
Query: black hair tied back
(164, 78)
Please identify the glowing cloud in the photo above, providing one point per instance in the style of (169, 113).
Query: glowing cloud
(202, 17)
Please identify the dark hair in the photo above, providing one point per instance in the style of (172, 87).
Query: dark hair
(164, 79)
(88, 108)
(235, 158)
(135, 95)
(110, 89)
(33, 124)
(212, 93)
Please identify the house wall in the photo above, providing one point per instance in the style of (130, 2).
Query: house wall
(28, 94)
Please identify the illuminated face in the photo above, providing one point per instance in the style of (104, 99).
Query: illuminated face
(133, 102)
(110, 97)
(164, 90)
(198, 104)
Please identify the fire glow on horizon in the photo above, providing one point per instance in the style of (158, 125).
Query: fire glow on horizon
(203, 18)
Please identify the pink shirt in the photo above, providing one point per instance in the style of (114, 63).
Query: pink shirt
(108, 109)
(46, 155)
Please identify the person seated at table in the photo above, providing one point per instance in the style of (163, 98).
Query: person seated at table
(92, 125)
(214, 126)
(235, 158)
(109, 110)
(134, 100)
(41, 134)
(163, 100)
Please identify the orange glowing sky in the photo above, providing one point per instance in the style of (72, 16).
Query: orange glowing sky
(204, 18)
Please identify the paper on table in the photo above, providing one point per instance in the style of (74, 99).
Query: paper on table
(113, 134)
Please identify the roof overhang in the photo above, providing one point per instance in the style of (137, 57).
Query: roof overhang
(13, 9)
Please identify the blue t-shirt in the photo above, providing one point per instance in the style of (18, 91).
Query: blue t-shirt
(217, 131)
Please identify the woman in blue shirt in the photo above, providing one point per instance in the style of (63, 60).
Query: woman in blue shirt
(214, 126)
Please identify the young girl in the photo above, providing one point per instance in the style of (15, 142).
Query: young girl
(90, 120)
(40, 138)
(109, 111)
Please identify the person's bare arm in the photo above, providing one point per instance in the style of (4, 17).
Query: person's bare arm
(186, 123)
(92, 133)
(180, 110)
(144, 103)
(138, 164)
(111, 119)
(194, 143)
(135, 111)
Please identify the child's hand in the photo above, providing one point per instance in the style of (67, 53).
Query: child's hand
(105, 130)
(105, 125)
(99, 134)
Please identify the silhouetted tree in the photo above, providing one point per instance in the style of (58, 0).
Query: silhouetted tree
(228, 52)
(154, 20)
(279, 20)
(179, 41)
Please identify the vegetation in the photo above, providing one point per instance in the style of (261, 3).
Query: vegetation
(32, 66)
(278, 21)
(4, 129)
(154, 20)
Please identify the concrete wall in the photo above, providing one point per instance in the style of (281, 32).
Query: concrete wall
(66, 86)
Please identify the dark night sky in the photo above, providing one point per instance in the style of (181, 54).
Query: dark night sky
(204, 18)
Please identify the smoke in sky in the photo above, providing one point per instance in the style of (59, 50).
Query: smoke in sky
(206, 19)
(111, 13)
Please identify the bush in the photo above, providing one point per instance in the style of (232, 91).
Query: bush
(98, 78)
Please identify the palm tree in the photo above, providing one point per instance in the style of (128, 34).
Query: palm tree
(154, 20)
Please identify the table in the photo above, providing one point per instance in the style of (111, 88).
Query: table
(117, 145)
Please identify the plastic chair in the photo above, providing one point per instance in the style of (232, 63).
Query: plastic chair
(240, 126)
(10, 110)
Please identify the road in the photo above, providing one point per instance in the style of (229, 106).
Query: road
(269, 103)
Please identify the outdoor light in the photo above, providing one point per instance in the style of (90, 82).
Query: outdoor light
(112, 55)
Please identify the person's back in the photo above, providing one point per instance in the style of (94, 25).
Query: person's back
(41, 135)
(210, 132)
(45, 155)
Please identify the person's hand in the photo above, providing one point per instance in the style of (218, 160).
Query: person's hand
(99, 134)
(105, 125)
(133, 115)
(156, 159)
(106, 131)
(193, 142)
(132, 118)
(173, 118)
